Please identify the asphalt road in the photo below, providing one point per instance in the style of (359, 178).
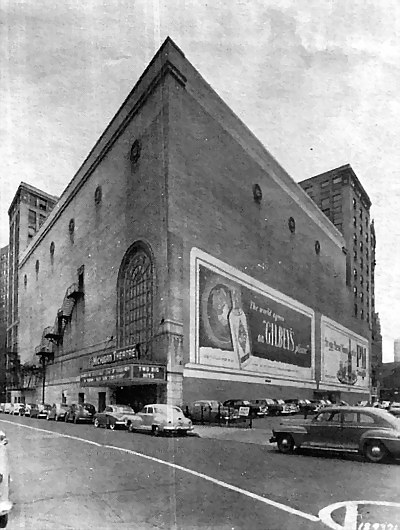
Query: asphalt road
(68, 476)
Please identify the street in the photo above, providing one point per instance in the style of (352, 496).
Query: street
(75, 476)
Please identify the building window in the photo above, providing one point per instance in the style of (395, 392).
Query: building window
(367, 287)
(355, 239)
(33, 201)
(42, 219)
(37, 265)
(361, 246)
(135, 151)
(355, 310)
(355, 274)
(355, 255)
(52, 248)
(354, 203)
(367, 269)
(317, 247)
(25, 280)
(361, 230)
(135, 300)
(366, 238)
(338, 225)
(32, 218)
(354, 221)
(325, 203)
(292, 225)
(362, 297)
(361, 213)
(362, 314)
(337, 180)
(361, 280)
(355, 290)
(42, 204)
(361, 263)
(325, 184)
(327, 212)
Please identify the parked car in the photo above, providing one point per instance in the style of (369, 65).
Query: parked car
(7, 408)
(2, 405)
(303, 405)
(286, 408)
(32, 410)
(394, 409)
(254, 410)
(270, 406)
(57, 411)
(116, 416)
(5, 503)
(17, 409)
(80, 412)
(158, 418)
(372, 432)
(43, 410)
(210, 411)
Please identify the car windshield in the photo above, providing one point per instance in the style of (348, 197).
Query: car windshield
(269, 401)
(167, 409)
(124, 410)
(88, 407)
(280, 401)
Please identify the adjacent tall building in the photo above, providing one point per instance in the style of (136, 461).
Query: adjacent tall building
(3, 319)
(342, 198)
(27, 213)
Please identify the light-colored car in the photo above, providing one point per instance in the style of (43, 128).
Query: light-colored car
(57, 412)
(157, 419)
(18, 409)
(7, 408)
(373, 432)
(5, 503)
(80, 412)
(2, 405)
(116, 416)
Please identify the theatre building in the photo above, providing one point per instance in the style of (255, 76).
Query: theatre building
(183, 262)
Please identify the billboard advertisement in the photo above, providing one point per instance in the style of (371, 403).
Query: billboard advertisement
(243, 325)
(345, 356)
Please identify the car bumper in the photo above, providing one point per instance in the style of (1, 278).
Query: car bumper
(5, 507)
(178, 428)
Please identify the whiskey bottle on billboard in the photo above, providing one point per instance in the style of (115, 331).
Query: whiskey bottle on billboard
(239, 330)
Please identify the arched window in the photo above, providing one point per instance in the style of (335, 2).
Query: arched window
(135, 300)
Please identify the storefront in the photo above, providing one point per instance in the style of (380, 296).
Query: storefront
(131, 384)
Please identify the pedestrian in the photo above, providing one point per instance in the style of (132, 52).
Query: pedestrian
(305, 412)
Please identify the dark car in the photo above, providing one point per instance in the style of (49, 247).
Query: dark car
(57, 412)
(305, 405)
(237, 404)
(394, 409)
(80, 412)
(210, 411)
(372, 432)
(32, 410)
(269, 406)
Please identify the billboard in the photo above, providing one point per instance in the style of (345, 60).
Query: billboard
(245, 326)
(344, 356)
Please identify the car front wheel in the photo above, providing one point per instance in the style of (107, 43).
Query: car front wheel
(3, 520)
(375, 451)
(112, 425)
(96, 423)
(285, 444)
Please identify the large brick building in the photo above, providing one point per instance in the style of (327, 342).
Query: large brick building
(182, 261)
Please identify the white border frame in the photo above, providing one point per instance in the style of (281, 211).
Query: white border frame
(194, 369)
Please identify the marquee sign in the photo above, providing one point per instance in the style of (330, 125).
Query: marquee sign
(114, 356)
(122, 374)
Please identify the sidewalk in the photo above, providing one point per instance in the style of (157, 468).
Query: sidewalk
(235, 434)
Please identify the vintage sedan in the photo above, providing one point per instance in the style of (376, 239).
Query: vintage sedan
(31, 410)
(159, 419)
(43, 410)
(116, 416)
(210, 411)
(372, 432)
(5, 503)
(394, 409)
(57, 412)
(80, 412)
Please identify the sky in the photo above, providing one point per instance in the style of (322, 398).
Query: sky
(317, 81)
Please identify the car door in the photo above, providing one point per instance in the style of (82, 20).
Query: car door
(324, 430)
(354, 425)
(147, 415)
